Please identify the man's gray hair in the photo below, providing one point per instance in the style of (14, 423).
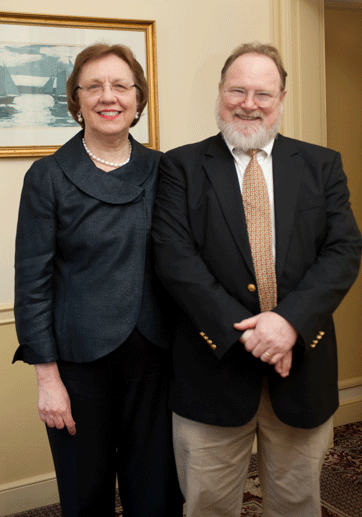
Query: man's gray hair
(256, 48)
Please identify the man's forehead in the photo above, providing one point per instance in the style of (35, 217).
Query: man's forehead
(255, 64)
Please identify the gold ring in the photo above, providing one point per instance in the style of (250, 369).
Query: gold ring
(267, 354)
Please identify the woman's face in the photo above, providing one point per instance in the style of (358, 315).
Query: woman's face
(107, 97)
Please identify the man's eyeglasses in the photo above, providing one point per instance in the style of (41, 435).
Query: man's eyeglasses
(238, 95)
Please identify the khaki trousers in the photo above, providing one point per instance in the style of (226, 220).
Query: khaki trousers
(212, 464)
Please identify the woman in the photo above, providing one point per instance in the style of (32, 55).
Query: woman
(88, 307)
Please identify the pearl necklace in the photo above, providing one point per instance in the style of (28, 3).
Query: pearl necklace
(111, 164)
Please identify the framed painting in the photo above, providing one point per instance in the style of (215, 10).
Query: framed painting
(37, 54)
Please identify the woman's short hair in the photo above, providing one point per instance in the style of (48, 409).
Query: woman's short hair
(98, 51)
(257, 48)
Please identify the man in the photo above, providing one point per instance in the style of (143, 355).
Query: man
(258, 248)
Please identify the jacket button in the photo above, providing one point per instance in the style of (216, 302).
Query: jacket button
(252, 288)
(213, 347)
(313, 345)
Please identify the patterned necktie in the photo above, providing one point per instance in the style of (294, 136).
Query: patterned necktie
(257, 213)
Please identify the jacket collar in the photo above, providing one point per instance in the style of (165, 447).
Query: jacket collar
(121, 186)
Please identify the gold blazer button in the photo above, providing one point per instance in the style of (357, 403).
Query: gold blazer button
(252, 288)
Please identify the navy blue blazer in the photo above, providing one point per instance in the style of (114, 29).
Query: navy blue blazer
(83, 266)
(204, 259)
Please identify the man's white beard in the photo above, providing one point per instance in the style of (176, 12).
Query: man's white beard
(258, 139)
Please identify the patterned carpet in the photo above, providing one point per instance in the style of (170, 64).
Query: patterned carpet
(341, 481)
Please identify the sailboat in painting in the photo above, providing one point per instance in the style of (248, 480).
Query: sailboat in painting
(60, 94)
(8, 89)
(56, 87)
(48, 86)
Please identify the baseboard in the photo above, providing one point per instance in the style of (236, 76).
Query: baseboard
(350, 408)
(27, 494)
(348, 412)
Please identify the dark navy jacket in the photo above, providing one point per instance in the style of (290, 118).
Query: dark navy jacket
(84, 271)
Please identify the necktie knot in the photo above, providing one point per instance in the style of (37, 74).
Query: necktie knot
(253, 152)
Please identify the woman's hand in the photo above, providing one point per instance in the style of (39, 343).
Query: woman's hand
(53, 402)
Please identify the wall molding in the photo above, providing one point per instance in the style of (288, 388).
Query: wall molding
(6, 314)
(322, 74)
(29, 493)
(286, 24)
(290, 18)
(348, 412)
(350, 402)
(350, 383)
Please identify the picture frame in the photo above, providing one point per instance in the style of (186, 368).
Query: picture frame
(37, 53)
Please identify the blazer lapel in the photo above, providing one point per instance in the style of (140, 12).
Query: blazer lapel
(287, 175)
(220, 168)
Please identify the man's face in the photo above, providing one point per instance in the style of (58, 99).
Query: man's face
(250, 101)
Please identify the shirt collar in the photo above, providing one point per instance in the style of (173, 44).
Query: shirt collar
(267, 148)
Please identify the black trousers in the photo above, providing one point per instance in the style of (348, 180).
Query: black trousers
(119, 404)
